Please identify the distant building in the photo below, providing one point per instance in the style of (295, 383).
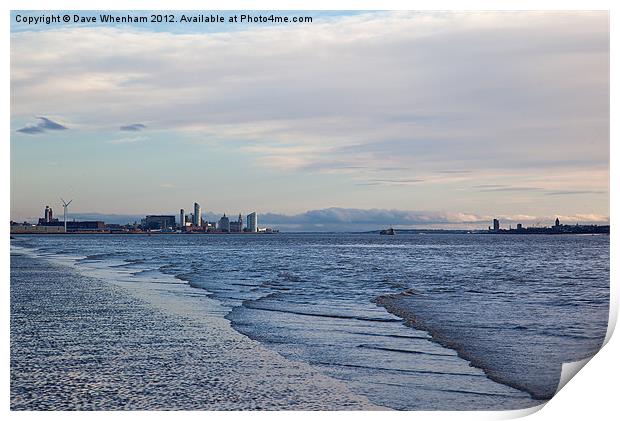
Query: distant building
(252, 222)
(48, 214)
(85, 226)
(49, 224)
(196, 220)
(557, 222)
(237, 226)
(495, 224)
(37, 229)
(224, 224)
(76, 225)
(115, 227)
(154, 222)
(48, 218)
(182, 218)
(519, 226)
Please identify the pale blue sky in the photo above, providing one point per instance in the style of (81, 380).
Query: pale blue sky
(451, 118)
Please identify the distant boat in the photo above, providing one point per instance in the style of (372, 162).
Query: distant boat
(389, 231)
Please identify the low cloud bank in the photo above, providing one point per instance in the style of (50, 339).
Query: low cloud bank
(351, 220)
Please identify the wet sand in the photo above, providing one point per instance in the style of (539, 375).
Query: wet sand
(84, 343)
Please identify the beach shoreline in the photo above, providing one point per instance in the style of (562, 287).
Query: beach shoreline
(83, 343)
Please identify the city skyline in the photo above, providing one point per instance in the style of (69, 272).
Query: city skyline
(365, 116)
(336, 219)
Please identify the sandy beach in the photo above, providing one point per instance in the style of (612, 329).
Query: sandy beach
(81, 343)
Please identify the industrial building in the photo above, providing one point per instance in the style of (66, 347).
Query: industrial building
(155, 222)
(37, 229)
(48, 218)
(85, 226)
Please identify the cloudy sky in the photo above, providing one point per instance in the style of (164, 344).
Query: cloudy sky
(409, 119)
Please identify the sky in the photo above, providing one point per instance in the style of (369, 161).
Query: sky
(357, 120)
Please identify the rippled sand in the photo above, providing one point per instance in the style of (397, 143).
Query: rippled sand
(81, 343)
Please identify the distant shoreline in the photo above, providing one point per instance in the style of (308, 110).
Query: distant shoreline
(402, 232)
(141, 233)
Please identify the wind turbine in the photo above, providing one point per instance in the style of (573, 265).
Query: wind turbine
(65, 205)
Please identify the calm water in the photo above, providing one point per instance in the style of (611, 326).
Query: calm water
(408, 321)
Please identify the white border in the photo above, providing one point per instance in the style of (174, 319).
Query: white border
(590, 395)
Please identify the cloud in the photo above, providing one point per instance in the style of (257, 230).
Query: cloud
(351, 219)
(30, 130)
(136, 127)
(574, 192)
(454, 99)
(505, 188)
(582, 218)
(48, 124)
(392, 182)
(133, 139)
(43, 125)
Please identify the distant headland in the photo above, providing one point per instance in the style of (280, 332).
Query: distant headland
(556, 228)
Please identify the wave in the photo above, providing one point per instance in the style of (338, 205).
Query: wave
(405, 351)
(100, 256)
(253, 305)
(396, 370)
(461, 391)
(383, 335)
(495, 367)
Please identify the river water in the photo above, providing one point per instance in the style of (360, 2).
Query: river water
(406, 321)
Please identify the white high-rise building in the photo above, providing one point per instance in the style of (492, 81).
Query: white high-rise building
(252, 224)
(182, 218)
(197, 216)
